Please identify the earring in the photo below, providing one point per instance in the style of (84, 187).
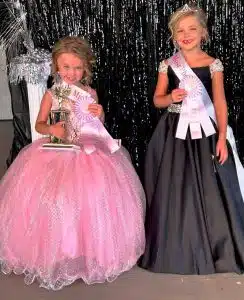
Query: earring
(203, 42)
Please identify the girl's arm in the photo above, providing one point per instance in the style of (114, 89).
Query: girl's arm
(42, 127)
(41, 123)
(96, 108)
(220, 103)
(221, 112)
(161, 98)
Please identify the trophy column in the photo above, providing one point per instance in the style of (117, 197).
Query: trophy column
(56, 116)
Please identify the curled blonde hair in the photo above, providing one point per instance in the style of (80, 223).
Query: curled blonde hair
(186, 11)
(79, 47)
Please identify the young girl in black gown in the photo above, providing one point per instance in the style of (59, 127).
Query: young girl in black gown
(195, 217)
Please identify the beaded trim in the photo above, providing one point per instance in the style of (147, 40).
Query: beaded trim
(174, 108)
(163, 67)
(216, 66)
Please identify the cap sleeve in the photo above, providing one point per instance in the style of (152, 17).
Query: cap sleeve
(216, 66)
(163, 67)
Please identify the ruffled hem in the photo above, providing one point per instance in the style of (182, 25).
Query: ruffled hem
(46, 282)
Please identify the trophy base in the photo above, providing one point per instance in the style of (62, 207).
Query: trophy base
(55, 146)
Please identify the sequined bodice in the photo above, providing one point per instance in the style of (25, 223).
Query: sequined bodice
(205, 74)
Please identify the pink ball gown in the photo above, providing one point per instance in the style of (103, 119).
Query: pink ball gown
(68, 215)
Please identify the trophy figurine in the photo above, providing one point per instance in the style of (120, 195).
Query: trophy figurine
(56, 116)
(60, 114)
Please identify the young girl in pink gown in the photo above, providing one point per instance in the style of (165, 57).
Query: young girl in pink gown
(71, 214)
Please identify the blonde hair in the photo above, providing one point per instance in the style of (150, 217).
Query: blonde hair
(186, 11)
(78, 47)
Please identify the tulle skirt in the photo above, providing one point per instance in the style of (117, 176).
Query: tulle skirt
(67, 215)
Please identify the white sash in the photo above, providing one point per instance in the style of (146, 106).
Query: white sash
(197, 92)
(94, 134)
(194, 110)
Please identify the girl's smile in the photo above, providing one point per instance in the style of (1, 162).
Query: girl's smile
(189, 33)
(70, 67)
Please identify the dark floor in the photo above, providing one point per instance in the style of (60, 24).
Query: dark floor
(136, 284)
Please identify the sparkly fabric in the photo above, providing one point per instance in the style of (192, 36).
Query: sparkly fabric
(174, 108)
(163, 67)
(34, 67)
(67, 215)
(216, 66)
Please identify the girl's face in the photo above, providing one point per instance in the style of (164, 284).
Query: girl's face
(189, 33)
(70, 67)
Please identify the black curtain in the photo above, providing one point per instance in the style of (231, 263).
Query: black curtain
(129, 38)
(21, 120)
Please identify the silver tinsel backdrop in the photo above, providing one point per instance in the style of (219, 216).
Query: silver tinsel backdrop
(129, 38)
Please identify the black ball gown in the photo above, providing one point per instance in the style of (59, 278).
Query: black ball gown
(195, 216)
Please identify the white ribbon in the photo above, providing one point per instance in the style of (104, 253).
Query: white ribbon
(194, 107)
(94, 134)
